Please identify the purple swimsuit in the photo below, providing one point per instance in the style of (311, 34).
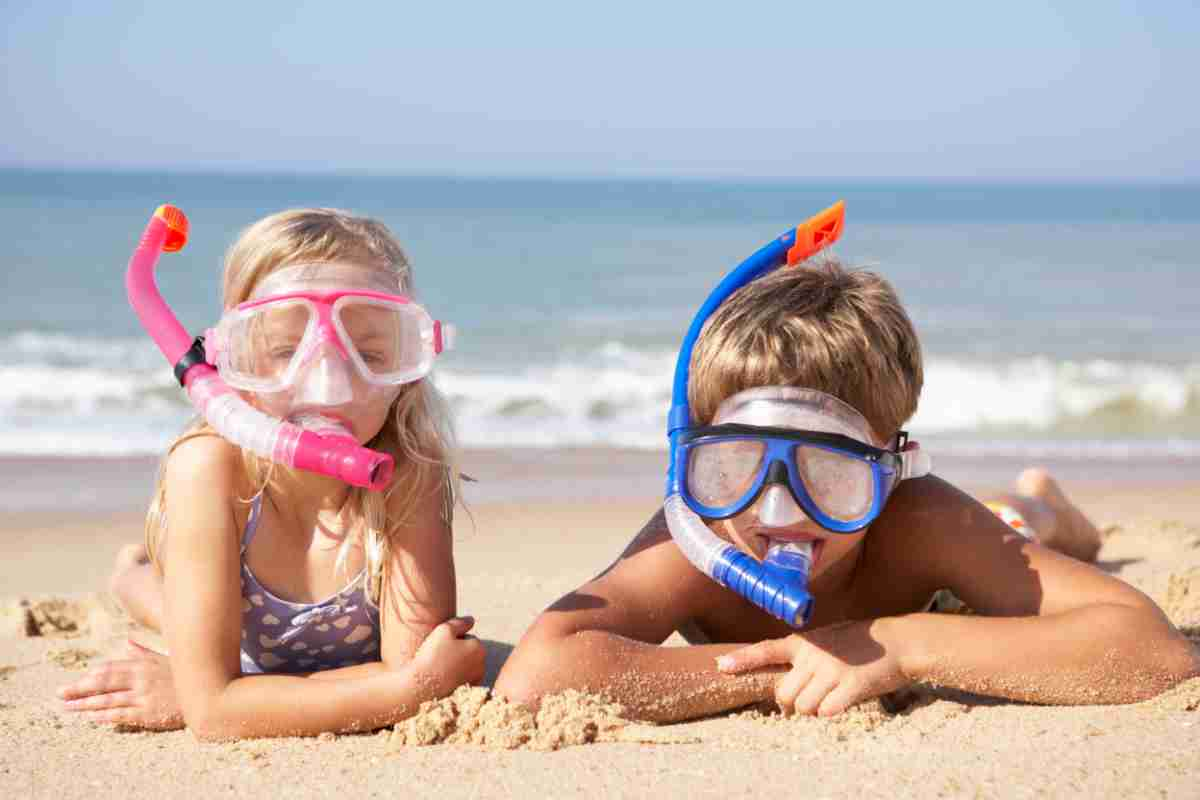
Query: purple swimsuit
(282, 636)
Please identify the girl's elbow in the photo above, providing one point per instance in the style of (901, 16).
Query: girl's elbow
(208, 722)
(210, 728)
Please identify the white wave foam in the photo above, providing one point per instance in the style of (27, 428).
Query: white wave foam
(614, 395)
(34, 347)
(1039, 394)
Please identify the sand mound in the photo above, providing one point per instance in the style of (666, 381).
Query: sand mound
(471, 717)
(1182, 603)
(1184, 697)
(94, 615)
(54, 616)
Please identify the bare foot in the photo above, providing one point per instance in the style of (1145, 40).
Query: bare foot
(1060, 524)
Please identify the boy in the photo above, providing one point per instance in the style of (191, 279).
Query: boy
(1048, 628)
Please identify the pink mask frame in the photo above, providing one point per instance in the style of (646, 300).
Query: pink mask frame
(326, 331)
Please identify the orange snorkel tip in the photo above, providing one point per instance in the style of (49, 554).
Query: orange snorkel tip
(177, 227)
(817, 232)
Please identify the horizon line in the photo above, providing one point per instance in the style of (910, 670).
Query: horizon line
(586, 177)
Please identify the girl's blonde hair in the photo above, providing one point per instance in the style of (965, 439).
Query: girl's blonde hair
(417, 432)
(819, 326)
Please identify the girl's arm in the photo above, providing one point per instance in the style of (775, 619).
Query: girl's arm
(202, 604)
(605, 637)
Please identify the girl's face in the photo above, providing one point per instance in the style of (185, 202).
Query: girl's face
(328, 392)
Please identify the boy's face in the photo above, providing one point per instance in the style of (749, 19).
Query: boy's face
(841, 486)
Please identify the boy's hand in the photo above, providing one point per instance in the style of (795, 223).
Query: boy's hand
(832, 668)
(449, 657)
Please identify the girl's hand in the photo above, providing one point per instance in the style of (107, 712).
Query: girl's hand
(449, 657)
(137, 691)
(831, 668)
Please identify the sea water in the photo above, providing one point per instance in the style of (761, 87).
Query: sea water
(1056, 320)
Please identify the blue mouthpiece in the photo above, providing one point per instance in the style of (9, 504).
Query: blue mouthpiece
(778, 585)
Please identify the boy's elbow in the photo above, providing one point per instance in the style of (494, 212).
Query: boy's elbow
(534, 670)
(1181, 662)
(525, 679)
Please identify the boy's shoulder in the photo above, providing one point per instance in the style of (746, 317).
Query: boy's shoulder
(648, 592)
(930, 534)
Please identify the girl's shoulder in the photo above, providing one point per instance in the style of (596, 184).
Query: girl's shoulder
(203, 457)
(206, 468)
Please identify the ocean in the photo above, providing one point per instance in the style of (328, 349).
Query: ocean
(1057, 320)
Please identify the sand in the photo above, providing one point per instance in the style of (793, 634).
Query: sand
(513, 559)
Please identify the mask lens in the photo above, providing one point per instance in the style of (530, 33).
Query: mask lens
(391, 341)
(265, 342)
(720, 473)
(840, 485)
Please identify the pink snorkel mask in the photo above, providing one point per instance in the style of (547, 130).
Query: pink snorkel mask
(335, 453)
(306, 341)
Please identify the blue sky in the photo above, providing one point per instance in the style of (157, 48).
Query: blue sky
(1016, 90)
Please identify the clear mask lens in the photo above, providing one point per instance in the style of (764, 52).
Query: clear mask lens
(720, 473)
(388, 342)
(842, 486)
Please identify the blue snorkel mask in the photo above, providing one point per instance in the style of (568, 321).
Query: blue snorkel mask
(797, 453)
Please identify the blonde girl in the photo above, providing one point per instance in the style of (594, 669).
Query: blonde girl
(292, 603)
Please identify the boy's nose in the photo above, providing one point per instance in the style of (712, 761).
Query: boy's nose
(778, 509)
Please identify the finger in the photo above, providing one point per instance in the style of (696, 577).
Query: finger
(842, 697)
(139, 650)
(763, 654)
(112, 716)
(809, 700)
(110, 677)
(97, 702)
(789, 687)
(459, 625)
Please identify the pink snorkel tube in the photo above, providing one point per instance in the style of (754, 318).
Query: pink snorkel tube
(337, 456)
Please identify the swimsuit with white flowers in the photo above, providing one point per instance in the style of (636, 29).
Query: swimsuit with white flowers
(281, 636)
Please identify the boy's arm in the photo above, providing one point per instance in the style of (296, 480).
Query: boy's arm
(1048, 629)
(606, 637)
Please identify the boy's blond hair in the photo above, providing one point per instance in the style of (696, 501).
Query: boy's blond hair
(417, 432)
(816, 326)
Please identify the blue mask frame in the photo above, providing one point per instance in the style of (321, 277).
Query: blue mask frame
(778, 466)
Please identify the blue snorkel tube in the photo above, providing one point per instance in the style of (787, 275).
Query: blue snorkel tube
(778, 585)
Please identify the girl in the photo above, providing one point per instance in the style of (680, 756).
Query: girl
(292, 603)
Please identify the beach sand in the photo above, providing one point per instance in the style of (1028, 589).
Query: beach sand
(541, 523)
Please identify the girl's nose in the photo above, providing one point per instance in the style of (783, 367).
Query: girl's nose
(326, 380)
